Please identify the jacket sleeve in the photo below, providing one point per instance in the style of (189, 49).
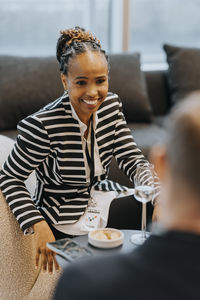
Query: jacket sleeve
(31, 148)
(126, 152)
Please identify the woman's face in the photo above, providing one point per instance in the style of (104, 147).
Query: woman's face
(87, 83)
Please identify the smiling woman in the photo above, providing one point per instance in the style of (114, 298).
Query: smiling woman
(70, 144)
(84, 71)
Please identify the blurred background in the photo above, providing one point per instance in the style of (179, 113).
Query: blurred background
(31, 27)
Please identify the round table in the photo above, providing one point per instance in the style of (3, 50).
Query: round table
(126, 247)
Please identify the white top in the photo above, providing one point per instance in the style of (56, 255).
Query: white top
(75, 229)
(99, 170)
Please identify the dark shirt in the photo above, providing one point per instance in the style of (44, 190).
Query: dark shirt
(165, 267)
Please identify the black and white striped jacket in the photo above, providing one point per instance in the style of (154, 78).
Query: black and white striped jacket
(49, 142)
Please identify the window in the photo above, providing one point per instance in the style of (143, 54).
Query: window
(154, 22)
(31, 27)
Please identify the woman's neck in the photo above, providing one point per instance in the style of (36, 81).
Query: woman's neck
(85, 118)
(86, 122)
(87, 131)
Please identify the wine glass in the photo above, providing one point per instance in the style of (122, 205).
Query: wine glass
(144, 192)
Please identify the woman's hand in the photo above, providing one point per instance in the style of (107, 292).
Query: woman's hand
(43, 234)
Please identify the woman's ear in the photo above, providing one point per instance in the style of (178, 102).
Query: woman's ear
(64, 80)
(158, 157)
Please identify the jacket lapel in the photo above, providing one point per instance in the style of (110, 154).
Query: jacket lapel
(73, 166)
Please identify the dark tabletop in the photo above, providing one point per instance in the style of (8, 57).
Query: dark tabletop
(127, 246)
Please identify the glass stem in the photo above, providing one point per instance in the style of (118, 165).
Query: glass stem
(144, 210)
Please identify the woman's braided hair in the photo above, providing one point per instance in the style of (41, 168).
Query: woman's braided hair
(73, 42)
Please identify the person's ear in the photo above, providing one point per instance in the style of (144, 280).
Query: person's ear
(158, 157)
(64, 80)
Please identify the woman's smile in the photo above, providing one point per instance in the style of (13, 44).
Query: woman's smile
(90, 102)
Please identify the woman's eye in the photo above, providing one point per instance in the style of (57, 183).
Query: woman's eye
(99, 81)
(81, 82)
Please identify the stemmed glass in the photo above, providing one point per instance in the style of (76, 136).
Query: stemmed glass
(144, 192)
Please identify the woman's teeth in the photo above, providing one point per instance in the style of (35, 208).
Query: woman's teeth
(90, 102)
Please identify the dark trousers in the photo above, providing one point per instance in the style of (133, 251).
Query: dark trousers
(59, 234)
(126, 213)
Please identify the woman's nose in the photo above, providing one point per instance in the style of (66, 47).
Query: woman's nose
(92, 92)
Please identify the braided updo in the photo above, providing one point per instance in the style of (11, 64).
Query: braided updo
(73, 42)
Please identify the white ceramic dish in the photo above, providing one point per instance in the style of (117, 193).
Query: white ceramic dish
(106, 237)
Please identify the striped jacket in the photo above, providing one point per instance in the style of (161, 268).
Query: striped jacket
(49, 142)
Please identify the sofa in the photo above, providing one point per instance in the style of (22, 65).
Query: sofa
(28, 83)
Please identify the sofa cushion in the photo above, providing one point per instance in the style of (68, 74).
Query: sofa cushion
(11, 133)
(148, 135)
(184, 71)
(157, 86)
(6, 146)
(26, 85)
(128, 81)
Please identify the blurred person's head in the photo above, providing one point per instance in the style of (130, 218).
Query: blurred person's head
(84, 70)
(178, 166)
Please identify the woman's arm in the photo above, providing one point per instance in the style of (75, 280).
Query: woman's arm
(126, 152)
(31, 148)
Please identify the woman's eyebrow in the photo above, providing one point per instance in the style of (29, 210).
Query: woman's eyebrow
(81, 77)
(84, 77)
(101, 76)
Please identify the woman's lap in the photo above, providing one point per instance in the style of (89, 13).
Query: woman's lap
(124, 213)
